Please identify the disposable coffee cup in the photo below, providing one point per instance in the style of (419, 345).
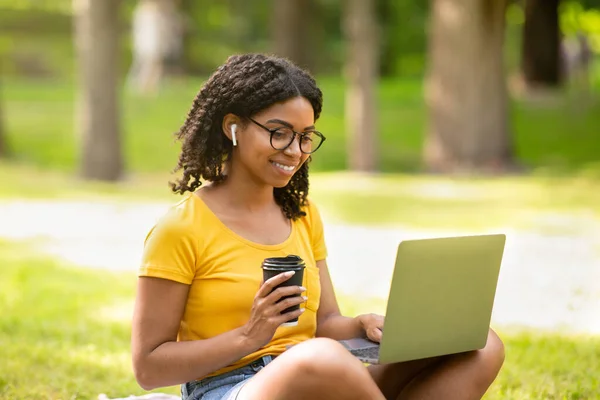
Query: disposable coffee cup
(277, 265)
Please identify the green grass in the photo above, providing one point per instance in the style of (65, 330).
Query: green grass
(64, 334)
(549, 367)
(40, 120)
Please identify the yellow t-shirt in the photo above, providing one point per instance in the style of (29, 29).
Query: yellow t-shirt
(189, 244)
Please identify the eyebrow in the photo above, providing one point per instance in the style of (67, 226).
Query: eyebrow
(285, 123)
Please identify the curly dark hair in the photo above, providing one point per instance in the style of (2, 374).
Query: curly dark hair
(244, 85)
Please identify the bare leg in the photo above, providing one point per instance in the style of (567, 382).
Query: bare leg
(316, 369)
(460, 376)
(393, 378)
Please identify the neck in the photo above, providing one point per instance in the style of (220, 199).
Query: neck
(245, 193)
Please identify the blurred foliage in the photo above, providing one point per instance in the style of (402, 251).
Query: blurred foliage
(35, 35)
(403, 36)
(574, 18)
(51, 6)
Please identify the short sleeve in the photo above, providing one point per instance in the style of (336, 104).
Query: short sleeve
(170, 250)
(317, 233)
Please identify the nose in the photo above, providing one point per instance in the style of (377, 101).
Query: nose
(294, 148)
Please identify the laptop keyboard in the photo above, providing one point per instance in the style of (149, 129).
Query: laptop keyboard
(369, 352)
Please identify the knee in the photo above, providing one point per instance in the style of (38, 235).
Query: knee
(491, 357)
(323, 357)
(321, 351)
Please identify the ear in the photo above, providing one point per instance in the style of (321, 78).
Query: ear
(228, 122)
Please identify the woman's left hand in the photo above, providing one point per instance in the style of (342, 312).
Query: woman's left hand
(372, 324)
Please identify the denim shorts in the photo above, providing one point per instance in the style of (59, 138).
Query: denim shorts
(225, 386)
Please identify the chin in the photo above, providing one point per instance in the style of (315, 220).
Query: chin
(280, 184)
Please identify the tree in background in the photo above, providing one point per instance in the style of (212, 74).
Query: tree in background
(466, 92)
(361, 70)
(296, 31)
(541, 60)
(96, 36)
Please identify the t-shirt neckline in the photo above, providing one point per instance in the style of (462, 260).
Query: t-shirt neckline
(240, 238)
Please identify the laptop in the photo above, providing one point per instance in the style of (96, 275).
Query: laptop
(440, 299)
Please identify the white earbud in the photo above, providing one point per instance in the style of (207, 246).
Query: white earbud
(233, 138)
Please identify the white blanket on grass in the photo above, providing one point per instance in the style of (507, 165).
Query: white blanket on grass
(151, 396)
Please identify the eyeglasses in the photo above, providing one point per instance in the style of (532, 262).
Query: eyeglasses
(282, 137)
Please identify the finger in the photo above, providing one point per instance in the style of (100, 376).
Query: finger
(379, 321)
(270, 284)
(378, 334)
(374, 335)
(289, 302)
(289, 316)
(282, 292)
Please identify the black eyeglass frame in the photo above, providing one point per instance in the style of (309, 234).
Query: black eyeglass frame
(300, 134)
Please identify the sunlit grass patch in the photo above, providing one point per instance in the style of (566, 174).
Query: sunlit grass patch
(64, 334)
(58, 336)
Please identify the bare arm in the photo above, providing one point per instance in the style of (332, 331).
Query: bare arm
(330, 322)
(158, 359)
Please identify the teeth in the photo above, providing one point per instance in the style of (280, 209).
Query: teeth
(284, 167)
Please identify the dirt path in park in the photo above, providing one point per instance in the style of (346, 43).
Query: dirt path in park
(549, 281)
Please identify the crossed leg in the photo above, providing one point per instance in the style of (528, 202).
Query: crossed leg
(323, 369)
(316, 369)
(458, 376)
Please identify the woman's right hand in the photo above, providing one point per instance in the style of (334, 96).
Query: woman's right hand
(266, 314)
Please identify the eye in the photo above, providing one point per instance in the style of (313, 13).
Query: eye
(281, 133)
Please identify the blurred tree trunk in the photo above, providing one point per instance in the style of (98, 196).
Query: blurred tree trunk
(96, 35)
(541, 43)
(296, 31)
(465, 88)
(361, 70)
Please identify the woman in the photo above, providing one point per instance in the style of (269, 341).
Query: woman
(204, 318)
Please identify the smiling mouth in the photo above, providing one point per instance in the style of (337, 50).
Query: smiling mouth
(288, 168)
